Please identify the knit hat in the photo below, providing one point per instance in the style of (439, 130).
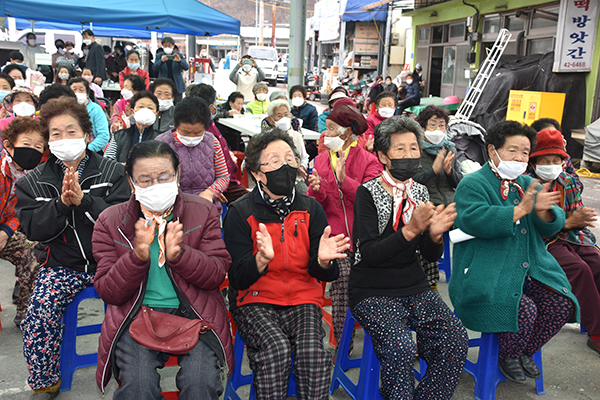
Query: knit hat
(549, 142)
(18, 89)
(259, 85)
(346, 115)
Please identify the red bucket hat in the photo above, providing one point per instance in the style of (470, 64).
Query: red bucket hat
(348, 116)
(549, 142)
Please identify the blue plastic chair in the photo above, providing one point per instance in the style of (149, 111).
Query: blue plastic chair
(370, 367)
(445, 263)
(69, 359)
(486, 372)
(238, 379)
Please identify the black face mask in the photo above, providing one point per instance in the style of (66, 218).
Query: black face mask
(26, 157)
(281, 181)
(404, 168)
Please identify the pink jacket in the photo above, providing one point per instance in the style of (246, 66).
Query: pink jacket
(372, 121)
(196, 273)
(361, 166)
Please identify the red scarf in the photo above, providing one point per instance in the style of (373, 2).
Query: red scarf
(505, 183)
(401, 191)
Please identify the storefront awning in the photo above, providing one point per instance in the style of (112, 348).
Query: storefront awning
(352, 11)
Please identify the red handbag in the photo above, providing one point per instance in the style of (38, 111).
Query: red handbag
(167, 332)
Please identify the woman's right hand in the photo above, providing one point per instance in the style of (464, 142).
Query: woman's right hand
(420, 220)
(314, 181)
(265, 248)
(142, 241)
(116, 126)
(526, 205)
(438, 163)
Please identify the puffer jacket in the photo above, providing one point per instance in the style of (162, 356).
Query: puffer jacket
(196, 274)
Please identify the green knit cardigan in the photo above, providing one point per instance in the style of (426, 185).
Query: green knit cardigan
(488, 272)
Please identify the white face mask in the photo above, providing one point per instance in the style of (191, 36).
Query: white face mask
(246, 68)
(81, 98)
(87, 42)
(31, 42)
(387, 112)
(63, 76)
(335, 143)
(261, 96)
(297, 101)
(548, 172)
(144, 116)
(164, 105)
(23, 109)
(157, 198)
(127, 94)
(284, 123)
(68, 149)
(168, 50)
(189, 141)
(435, 137)
(19, 82)
(510, 169)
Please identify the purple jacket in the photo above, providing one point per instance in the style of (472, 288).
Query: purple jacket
(361, 166)
(196, 274)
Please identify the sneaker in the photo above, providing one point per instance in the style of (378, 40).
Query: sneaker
(512, 369)
(594, 344)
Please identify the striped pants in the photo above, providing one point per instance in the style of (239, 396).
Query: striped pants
(442, 342)
(272, 334)
(54, 290)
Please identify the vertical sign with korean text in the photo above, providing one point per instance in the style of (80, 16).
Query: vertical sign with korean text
(577, 25)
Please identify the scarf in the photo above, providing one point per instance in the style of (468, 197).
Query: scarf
(281, 206)
(505, 183)
(401, 192)
(157, 222)
(10, 171)
(433, 149)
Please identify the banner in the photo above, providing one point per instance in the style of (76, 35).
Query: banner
(577, 26)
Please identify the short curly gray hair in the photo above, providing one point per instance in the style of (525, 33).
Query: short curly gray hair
(275, 105)
(384, 131)
(259, 85)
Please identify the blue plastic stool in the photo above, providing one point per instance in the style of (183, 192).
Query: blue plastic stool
(583, 331)
(370, 367)
(445, 262)
(486, 372)
(69, 359)
(238, 379)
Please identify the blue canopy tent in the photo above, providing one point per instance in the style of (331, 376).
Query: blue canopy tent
(188, 17)
(23, 24)
(353, 12)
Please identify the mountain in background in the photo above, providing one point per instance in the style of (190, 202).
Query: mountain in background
(245, 10)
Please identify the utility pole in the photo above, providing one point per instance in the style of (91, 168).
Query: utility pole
(274, 23)
(261, 23)
(297, 42)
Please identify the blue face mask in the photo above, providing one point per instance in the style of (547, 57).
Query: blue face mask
(3, 94)
(133, 66)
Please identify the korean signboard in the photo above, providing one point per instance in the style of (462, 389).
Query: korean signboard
(577, 25)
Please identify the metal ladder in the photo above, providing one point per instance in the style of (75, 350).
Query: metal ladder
(483, 76)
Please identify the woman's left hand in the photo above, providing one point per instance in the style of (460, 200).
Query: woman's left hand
(448, 161)
(340, 168)
(544, 202)
(173, 239)
(442, 220)
(331, 248)
(302, 173)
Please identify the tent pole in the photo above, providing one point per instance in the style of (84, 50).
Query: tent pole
(297, 42)
(342, 50)
(256, 24)
(388, 31)
(32, 26)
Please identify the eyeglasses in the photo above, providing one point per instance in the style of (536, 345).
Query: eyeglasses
(146, 181)
(433, 125)
(277, 162)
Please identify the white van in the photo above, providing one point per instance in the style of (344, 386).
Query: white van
(266, 58)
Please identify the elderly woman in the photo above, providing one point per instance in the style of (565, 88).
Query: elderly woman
(389, 293)
(385, 107)
(441, 171)
(203, 168)
(279, 115)
(81, 88)
(335, 177)
(571, 247)
(165, 270)
(21, 102)
(503, 278)
(281, 249)
(23, 147)
(57, 205)
(6, 85)
(164, 89)
(145, 109)
(260, 103)
(122, 111)
(232, 107)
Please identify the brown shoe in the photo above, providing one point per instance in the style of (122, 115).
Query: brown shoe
(594, 344)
